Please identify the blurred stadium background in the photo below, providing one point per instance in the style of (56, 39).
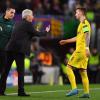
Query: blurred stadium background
(44, 66)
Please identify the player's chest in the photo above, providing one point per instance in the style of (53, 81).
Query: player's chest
(79, 30)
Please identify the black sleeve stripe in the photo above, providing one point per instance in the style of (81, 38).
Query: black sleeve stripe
(86, 31)
(84, 26)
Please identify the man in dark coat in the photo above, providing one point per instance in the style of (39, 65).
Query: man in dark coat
(6, 26)
(17, 47)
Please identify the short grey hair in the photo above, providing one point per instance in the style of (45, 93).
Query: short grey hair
(26, 13)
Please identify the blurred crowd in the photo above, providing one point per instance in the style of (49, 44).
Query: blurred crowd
(61, 8)
(56, 7)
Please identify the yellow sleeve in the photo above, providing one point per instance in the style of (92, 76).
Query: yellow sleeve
(85, 28)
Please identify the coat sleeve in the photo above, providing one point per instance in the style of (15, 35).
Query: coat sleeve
(33, 32)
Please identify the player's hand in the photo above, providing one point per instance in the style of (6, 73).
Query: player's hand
(62, 42)
(88, 52)
(47, 28)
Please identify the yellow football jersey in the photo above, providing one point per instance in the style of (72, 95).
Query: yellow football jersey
(82, 29)
(78, 58)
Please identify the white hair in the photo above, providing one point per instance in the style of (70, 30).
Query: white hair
(26, 13)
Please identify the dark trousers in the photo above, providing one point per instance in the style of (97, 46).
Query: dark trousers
(19, 58)
(2, 60)
(98, 76)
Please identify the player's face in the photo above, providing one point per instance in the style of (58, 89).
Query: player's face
(10, 13)
(78, 14)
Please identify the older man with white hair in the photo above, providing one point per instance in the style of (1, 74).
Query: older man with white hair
(17, 47)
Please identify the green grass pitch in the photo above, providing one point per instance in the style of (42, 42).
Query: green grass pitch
(47, 92)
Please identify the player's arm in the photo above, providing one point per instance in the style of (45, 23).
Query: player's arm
(87, 39)
(62, 42)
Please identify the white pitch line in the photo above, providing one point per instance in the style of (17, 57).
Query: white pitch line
(42, 92)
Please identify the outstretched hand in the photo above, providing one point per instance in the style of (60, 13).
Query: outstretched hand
(47, 28)
(62, 42)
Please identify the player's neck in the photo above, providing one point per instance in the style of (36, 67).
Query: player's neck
(82, 19)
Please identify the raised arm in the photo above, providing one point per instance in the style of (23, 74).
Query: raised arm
(36, 32)
(71, 40)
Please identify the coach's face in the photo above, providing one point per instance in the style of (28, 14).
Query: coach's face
(10, 13)
(78, 14)
(30, 18)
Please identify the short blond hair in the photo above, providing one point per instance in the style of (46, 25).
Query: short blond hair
(82, 8)
(26, 13)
